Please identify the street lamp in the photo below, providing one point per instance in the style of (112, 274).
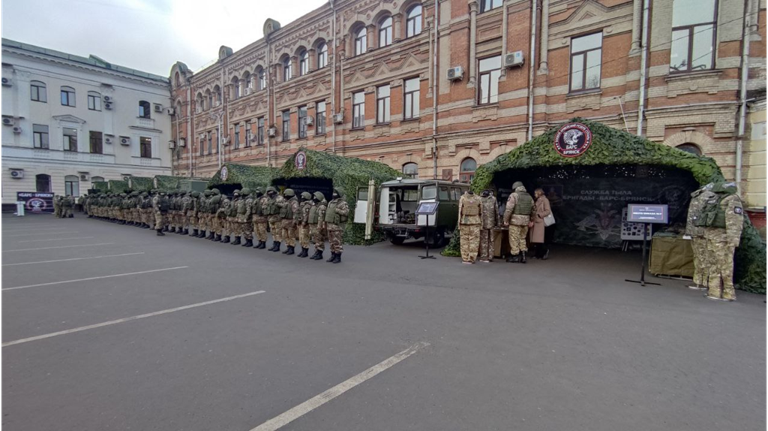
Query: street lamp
(218, 116)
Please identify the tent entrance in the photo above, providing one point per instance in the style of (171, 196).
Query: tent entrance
(229, 189)
(588, 201)
(307, 184)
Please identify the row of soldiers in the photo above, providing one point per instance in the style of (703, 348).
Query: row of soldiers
(306, 219)
(62, 206)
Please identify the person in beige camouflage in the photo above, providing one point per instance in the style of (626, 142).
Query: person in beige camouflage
(273, 217)
(204, 214)
(699, 199)
(302, 223)
(518, 214)
(160, 206)
(723, 221)
(244, 217)
(239, 216)
(216, 223)
(260, 222)
(336, 215)
(490, 220)
(470, 221)
(317, 228)
(228, 217)
(288, 208)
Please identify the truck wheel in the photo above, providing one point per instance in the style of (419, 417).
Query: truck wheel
(397, 240)
(436, 239)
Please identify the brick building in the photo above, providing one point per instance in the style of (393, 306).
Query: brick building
(366, 78)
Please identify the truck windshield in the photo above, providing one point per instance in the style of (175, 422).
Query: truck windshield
(428, 192)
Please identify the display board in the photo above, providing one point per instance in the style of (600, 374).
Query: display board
(35, 202)
(427, 208)
(641, 213)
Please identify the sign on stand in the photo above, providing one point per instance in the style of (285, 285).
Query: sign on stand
(427, 209)
(36, 203)
(646, 214)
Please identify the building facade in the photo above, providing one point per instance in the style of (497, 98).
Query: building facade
(434, 98)
(70, 121)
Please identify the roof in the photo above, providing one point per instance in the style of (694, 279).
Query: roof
(415, 182)
(92, 60)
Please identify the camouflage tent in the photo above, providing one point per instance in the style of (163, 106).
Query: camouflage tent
(320, 171)
(626, 155)
(101, 186)
(233, 176)
(118, 186)
(141, 183)
(166, 182)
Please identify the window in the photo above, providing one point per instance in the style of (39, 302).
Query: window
(302, 121)
(144, 109)
(202, 145)
(467, 170)
(145, 146)
(237, 136)
(486, 5)
(235, 88)
(382, 104)
(413, 22)
(95, 180)
(385, 32)
(210, 142)
(248, 83)
(94, 101)
(260, 131)
(361, 41)
(490, 70)
(358, 110)
(248, 134)
(70, 139)
(429, 192)
(303, 63)
(286, 125)
(40, 136)
(43, 183)
(320, 120)
(38, 91)
(586, 58)
(690, 148)
(218, 140)
(411, 99)
(455, 193)
(693, 35)
(217, 95)
(67, 96)
(411, 170)
(322, 55)
(95, 140)
(262, 79)
(199, 106)
(71, 185)
(286, 69)
(444, 193)
(177, 80)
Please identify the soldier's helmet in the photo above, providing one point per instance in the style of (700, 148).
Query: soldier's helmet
(245, 192)
(289, 193)
(729, 188)
(195, 194)
(207, 193)
(337, 191)
(271, 189)
(517, 184)
(236, 192)
(258, 191)
(216, 191)
(319, 196)
(306, 196)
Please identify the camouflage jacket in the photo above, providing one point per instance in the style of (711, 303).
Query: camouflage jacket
(490, 214)
(470, 209)
(734, 222)
(223, 211)
(699, 199)
(259, 209)
(279, 202)
(509, 212)
(243, 209)
(321, 208)
(302, 215)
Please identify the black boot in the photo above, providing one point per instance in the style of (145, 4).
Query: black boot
(262, 245)
(514, 258)
(210, 235)
(303, 252)
(338, 258)
(319, 255)
(290, 250)
(172, 229)
(248, 243)
(314, 256)
(276, 246)
(332, 258)
(522, 257)
(217, 238)
(160, 232)
(225, 240)
(286, 249)
(194, 232)
(236, 241)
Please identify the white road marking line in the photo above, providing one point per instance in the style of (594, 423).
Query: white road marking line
(38, 234)
(54, 239)
(127, 319)
(63, 246)
(15, 228)
(95, 278)
(74, 258)
(317, 401)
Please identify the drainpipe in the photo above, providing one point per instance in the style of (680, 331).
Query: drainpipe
(743, 91)
(189, 125)
(267, 122)
(333, 76)
(434, 90)
(643, 67)
(532, 67)
(341, 84)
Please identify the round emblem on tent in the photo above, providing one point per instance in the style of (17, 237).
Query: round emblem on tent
(300, 160)
(224, 173)
(573, 140)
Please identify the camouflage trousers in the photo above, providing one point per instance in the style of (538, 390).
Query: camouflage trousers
(720, 279)
(260, 229)
(233, 226)
(486, 244)
(244, 228)
(274, 227)
(216, 224)
(159, 220)
(136, 215)
(517, 236)
(192, 221)
(318, 237)
(288, 232)
(202, 223)
(700, 261)
(470, 241)
(335, 238)
(304, 236)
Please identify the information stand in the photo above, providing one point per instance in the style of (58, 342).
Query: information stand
(646, 214)
(426, 209)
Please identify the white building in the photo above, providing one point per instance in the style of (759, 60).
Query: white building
(69, 121)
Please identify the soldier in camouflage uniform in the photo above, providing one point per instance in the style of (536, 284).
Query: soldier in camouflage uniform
(183, 219)
(235, 224)
(490, 220)
(260, 222)
(203, 215)
(470, 221)
(518, 215)
(194, 207)
(215, 204)
(302, 223)
(231, 226)
(273, 217)
(160, 205)
(699, 199)
(317, 224)
(66, 207)
(222, 214)
(336, 215)
(245, 217)
(288, 208)
(136, 210)
(57, 206)
(146, 210)
(723, 221)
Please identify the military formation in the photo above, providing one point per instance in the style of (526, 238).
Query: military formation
(715, 221)
(305, 220)
(62, 206)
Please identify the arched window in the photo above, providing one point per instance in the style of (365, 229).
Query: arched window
(177, 79)
(144, 109)
(38, 92)
(235, 88)
(411, 170)
(413, 22)
(385, 32)
(43, 183)
(67, 96)
(216, 96)
(467, 170)
(322, 55)
(262, 79)
(94, 101)
(361, 41)
(690, 148)
(178, 113)
(208, 100)
(95, 180)
(247, 83)
(72, 185)
(287, 72)
(200, 105)
(303, 63)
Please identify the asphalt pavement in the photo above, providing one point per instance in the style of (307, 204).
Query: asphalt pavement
(109, 327)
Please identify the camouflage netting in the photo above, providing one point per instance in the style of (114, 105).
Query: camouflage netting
(245, 175)
(615, 147)
(142, 183)
(101, 186)
(347, 175)
(118, 186)
(166, 182)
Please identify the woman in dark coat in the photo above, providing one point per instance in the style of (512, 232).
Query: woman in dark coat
(538, 236)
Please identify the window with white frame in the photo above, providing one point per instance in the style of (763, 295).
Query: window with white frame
(38, 91)
(94, 101)
(411, 170)
(71, 185)
(382, 104)
(322, 55)
(411, 98)
(486, 5)
(358, 110)
(262, 79)
(260, 131)
(70, 139)
(361, 41)
(385, 32)
(40, 136)
(248, 134)
(693, 35)
(67, 96)
(303, 63)
(287, 69)
(413, 21)
(237, 135)
(287, 125)
(302, 121)
(320, 120)
(490, 71)
(586, 61)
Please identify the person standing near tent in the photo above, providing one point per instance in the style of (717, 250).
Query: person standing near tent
(213, 210)
(336, 220)
(243, 218)
(538, 227)
(302, 223)
(490, 220)
(699, 199)
(273, 217)
(288, 210)
(470, 222)
(317, 224)
(517, 215)
(260, 221)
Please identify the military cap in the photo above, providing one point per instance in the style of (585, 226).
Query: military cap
(306, 196)
(289, 193)
(271, 189)
(319, 196)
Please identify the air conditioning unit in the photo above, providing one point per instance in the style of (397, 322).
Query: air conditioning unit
(171, 145)
(158, 108)
(108, 141)
(272, 132)
(126, 177)
(247, 91)
(7, 121)
(456, 73)
(84, 176)
(108, 106)
(338, 118)
(124, 140)
(17, 130)
(171, 111)
(182, 142)
(17, 174)
(514, 59)
(226, 141)
(309, 121)
(107, 98)
(7, 82)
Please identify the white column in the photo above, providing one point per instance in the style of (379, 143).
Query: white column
(637, 14)
(472, 41)
(543, 69)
